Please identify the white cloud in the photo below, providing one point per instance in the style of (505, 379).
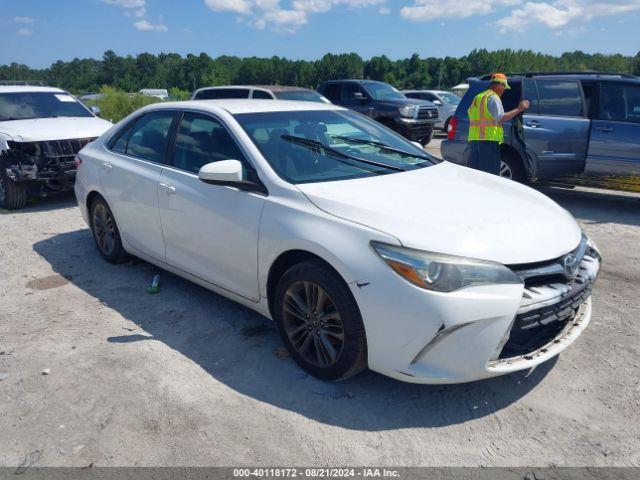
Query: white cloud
(27, 25)
(238, 6)
(384, 11)
(146, 25)
(127, 3)
(562, 13)
(428, 10)
(271, 13)
(24, 20)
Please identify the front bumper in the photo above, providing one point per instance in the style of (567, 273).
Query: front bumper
(413, 129)
(427, 337)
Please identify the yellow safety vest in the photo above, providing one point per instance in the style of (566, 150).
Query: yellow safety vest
(482, 126)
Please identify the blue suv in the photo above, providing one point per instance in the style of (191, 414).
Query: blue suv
(581, 129)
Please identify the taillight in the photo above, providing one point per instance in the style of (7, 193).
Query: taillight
(451, 128)
(78, 161)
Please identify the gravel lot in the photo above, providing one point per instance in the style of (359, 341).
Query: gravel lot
(186, 377)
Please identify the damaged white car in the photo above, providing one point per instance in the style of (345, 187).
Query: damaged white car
(41, 130)
(364, 249)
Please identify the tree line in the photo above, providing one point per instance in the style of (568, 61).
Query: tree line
(171, 70)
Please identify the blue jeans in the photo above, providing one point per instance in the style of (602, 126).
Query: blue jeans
(485, 156)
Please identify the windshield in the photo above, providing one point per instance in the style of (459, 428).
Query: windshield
(383, 91)
(329, 145)
(27, 105)
(450, 98)
(301, 95)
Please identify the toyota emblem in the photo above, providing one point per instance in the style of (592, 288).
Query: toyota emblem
(571, 265)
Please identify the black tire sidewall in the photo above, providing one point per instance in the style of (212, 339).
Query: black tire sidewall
(118, 253)
(353, 356)
(15, 194)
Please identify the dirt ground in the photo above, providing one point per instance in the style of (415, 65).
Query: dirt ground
(94, 370)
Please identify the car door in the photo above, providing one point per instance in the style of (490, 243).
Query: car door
(614, 145)
(210, 231)
(130, 178)
(556, 127)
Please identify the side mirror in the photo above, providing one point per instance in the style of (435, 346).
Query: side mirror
(95, 109)
(417, 144)
(437, 102)
(359, 96)
(229, 173)
(221, 173)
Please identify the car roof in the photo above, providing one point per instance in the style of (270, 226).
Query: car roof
(28, 88)
(272, 88)
(424, 90)
(587, 75)
(243, 105)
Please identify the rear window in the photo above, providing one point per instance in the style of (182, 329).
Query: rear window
(559, 97)
(219, 93)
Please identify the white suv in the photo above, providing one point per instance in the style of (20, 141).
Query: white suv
(364, 249)
(41, 130)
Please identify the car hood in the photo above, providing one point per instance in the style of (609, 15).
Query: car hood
(59, 128)
(406, 101)
(455, 210)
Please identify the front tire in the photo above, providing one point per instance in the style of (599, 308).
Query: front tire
(428, 137)
(13, 195)
(106, 233)
(319, 322)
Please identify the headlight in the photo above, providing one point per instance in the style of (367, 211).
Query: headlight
(409, 111)
(440, 272)
(592, 245)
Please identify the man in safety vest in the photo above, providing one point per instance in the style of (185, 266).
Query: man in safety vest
(486, 116)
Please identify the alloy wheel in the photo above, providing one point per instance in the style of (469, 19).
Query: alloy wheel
(104, 229)
(505, 170)
(313, 324)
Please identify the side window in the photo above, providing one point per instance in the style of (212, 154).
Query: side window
(219, 93)
(529, 92)
(119, 142)
(262, 94)
(349, 91)
(429, 96)
(200, 140)
(620, 102)
(559, 97)
(149, 136)
(332, 92)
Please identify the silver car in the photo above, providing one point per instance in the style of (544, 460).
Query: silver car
(446, 102)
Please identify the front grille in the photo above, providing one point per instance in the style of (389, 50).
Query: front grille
(63, 148)
(426, 113)
(550, 301)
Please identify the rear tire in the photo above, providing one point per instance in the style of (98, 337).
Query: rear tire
(13, 195)
(320, 322)
(105, 232)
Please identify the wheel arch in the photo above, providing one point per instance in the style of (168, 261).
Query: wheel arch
(284, 262)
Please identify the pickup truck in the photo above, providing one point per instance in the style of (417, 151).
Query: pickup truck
(412, 118)
(581, 129)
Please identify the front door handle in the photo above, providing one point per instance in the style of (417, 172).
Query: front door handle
(168, 189)
(533, 124)
(604, 129)
(107, 166)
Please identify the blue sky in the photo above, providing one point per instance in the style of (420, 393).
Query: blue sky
(39, 32)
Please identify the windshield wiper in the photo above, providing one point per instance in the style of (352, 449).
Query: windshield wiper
(380, 145)
(305, 142)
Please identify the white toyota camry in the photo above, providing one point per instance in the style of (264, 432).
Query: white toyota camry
(365, 250)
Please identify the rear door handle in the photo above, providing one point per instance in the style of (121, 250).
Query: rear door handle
(604, 129)
(107, 166)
